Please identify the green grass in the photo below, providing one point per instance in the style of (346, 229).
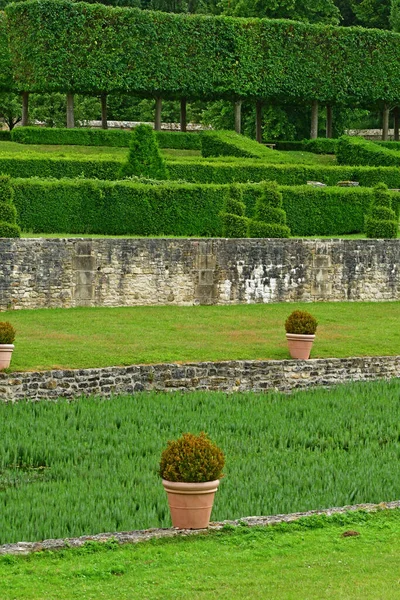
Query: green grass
(308, 559)
(86, 466)
(276, 157)
(99, 337)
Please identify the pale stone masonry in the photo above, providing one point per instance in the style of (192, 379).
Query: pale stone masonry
(229, 376)
(44, 273)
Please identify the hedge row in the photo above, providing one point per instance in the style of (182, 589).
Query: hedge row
(358, 151)
(229, 143)
(40, 165)
(99, 137)
(285, 174)
(122, 208)
(92, 49)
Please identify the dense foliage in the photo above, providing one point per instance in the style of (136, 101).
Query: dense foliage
(192, 459)
(301, 322)
(7, 333)
(99, 137)
(144, 158)
(269, 219)
(358, 151)
(97, 49)
(92, 464)
(381, 220)
(229, 143)
(119, 208)
(234, 222)
(8, 212)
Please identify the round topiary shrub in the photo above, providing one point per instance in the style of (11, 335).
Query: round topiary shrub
(301, 322)
(144, 159)
(7, 333)
(234, 223)
(192, 459)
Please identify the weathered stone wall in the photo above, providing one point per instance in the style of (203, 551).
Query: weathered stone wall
(230, 376)
(36, 273)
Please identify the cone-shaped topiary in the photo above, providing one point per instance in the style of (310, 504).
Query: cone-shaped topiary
(144, 159)
(269, 216)
(234, 223)
(381, 220)
(8, 212)
(192, 459)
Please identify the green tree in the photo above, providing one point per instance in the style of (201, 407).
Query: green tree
(309, 11)
(144, 159)
(10, 109)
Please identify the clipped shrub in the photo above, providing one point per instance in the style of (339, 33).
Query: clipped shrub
(381, 221)
(321, 146)
(7, 333)
(192, 459)
(144, 159)
(234, 223)
(8, 212)
(230, 143)
(301, 322)
(269, 216)
(358, 151)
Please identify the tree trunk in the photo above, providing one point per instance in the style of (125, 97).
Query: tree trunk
(258, 121)
(238, 116)
(70, 111)
(385, 123)
(103, 100)
(396, 123)
(183, 114)
(157, 120)
(329, 121)
(25, 108)
(314, 120)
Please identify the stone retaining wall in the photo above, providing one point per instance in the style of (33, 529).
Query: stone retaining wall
(229, 376)
(44, 273)
(132, 537)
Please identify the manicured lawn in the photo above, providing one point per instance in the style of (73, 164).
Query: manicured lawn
(275, 157)
(304, 560)
(89, 465)
(99, 337)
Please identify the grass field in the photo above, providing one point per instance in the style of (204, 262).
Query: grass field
(99, 337)
(90, 465)
(308, 559)
(9, 148)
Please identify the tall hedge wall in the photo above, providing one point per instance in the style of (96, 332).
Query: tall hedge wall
(92, 48)
(104, 207)
(358, 151)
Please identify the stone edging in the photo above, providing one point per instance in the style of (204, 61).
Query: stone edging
(227, 376)
(131, 537)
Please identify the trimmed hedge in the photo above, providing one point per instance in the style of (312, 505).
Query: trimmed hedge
(381, 220)
(98, 137)
(285, 174)
(126, 207)
(42, 165)
(321, 146)
(5, 135)
(93, 48)
(358, 151)
(229, 143)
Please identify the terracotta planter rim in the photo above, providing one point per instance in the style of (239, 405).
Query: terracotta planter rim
(183, 487)
(300, 336)
(7, 346)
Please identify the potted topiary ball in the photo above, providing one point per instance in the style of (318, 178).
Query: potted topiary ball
(191, 468)
(7, 336)
(300, 333)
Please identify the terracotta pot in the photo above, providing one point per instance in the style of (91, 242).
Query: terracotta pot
(300, 345)
(6, 351)
(190, 503)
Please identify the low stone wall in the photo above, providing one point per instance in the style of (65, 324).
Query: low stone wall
(143, 535)
(230, 376)
(45, 273)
